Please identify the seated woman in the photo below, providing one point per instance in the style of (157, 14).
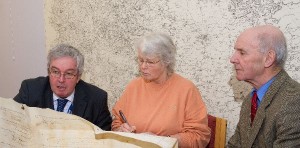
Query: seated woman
(160, 101)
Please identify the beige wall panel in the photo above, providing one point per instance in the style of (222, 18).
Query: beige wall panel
(204, 32)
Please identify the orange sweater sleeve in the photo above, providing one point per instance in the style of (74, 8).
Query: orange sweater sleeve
(195, 132)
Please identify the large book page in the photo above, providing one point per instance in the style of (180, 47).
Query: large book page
(22, 126)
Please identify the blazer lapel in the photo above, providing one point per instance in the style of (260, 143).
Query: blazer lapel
(79, 102)
(257, 122)
(246, 126)
(49, 99)
(267, 100)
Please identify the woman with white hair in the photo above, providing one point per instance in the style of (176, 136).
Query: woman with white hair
(160, 101)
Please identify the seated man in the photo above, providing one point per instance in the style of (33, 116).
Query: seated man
(63, 90)
(269, 115)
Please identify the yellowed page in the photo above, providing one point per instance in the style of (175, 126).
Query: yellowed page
(23, 126)
(142, 140)
(15, 129)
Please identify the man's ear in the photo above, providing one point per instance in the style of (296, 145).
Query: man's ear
(270, 58)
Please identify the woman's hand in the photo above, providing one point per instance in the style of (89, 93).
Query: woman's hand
(127, 128)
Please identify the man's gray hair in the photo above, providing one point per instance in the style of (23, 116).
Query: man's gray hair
(65, 50)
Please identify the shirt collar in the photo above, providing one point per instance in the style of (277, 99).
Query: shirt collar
(263, 89)
(70, 98)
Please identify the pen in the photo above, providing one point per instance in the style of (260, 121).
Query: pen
(123, 117)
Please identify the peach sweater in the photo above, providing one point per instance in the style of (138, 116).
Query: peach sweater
(174, 108)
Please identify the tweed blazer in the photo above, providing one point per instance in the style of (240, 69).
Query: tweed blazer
(277, 120)
(90, 102)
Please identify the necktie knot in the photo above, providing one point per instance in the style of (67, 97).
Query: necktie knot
(253, 106)
(61, 103)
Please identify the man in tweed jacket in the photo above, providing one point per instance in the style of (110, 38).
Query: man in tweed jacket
(259, 57)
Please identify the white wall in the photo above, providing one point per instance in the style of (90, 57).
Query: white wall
(204, 32)
(22, 43)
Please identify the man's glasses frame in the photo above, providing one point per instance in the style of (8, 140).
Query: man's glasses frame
(57, 74)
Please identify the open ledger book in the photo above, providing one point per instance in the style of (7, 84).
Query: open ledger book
(22, 126)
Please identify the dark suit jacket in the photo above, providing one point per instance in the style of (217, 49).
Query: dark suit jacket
(277, 121)
(90, 102)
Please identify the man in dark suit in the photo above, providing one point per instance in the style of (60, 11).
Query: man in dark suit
(64, 91)
(270, 114)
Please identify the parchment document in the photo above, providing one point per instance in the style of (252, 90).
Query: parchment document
(27, 127)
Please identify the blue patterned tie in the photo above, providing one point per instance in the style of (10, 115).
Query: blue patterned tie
(61, 103)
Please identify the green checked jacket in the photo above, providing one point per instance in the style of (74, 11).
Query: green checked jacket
(277, 120)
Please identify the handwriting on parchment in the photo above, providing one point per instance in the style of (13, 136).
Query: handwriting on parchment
(22, 126)
(15, 130)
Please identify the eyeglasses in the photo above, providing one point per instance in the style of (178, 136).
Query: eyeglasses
(149, 63)
(57, 74)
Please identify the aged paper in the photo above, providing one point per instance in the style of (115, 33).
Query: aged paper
(22, 126)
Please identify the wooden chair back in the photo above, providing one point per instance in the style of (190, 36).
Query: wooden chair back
(218, 132)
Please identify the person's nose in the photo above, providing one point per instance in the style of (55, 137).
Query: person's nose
(233, 58)
(61, 78)
(144, 65)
